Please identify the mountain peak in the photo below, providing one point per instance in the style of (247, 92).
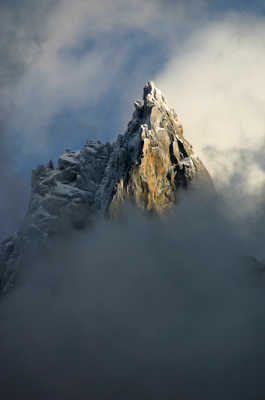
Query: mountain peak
(153, 96)
(148, 166)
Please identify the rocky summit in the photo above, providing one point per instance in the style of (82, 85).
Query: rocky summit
(148, 166)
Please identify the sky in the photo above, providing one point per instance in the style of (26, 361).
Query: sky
(71, 71)
(108, 314)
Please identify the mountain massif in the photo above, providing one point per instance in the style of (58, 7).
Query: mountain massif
(148, 166)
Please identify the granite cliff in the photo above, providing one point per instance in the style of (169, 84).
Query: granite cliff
(148, 166)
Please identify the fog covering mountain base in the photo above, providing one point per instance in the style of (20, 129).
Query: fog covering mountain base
(143, 307)
(147, 166)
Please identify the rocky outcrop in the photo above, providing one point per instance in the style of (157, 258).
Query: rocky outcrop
(154, 159)
(147, 166)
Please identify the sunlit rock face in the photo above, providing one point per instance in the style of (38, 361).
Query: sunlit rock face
(147, 166)
(154, 159)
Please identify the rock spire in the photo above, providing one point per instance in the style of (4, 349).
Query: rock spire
(148, 166)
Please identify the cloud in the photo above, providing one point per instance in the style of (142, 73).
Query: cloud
(21, 34)
(215, 81)
(14, 194)
(83, 56)
(139, 308)
(20, 37)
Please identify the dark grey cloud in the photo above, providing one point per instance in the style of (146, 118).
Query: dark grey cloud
(140, 308)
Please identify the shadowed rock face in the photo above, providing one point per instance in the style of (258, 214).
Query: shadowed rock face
(147, 166)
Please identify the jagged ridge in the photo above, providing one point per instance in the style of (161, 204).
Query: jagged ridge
(146, 165)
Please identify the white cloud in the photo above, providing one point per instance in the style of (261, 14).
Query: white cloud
(216, 82)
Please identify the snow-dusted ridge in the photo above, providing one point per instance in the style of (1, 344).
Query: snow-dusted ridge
(147, 165)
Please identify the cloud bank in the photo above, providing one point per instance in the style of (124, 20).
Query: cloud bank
(215, 81)
(140, 308)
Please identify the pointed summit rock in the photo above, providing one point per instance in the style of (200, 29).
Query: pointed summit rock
(153, 158)
(148, 166)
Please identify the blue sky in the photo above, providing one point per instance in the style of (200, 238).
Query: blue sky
(71, 71)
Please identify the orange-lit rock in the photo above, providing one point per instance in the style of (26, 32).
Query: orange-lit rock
(165, 161)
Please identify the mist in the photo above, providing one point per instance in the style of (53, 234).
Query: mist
(142, 307)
